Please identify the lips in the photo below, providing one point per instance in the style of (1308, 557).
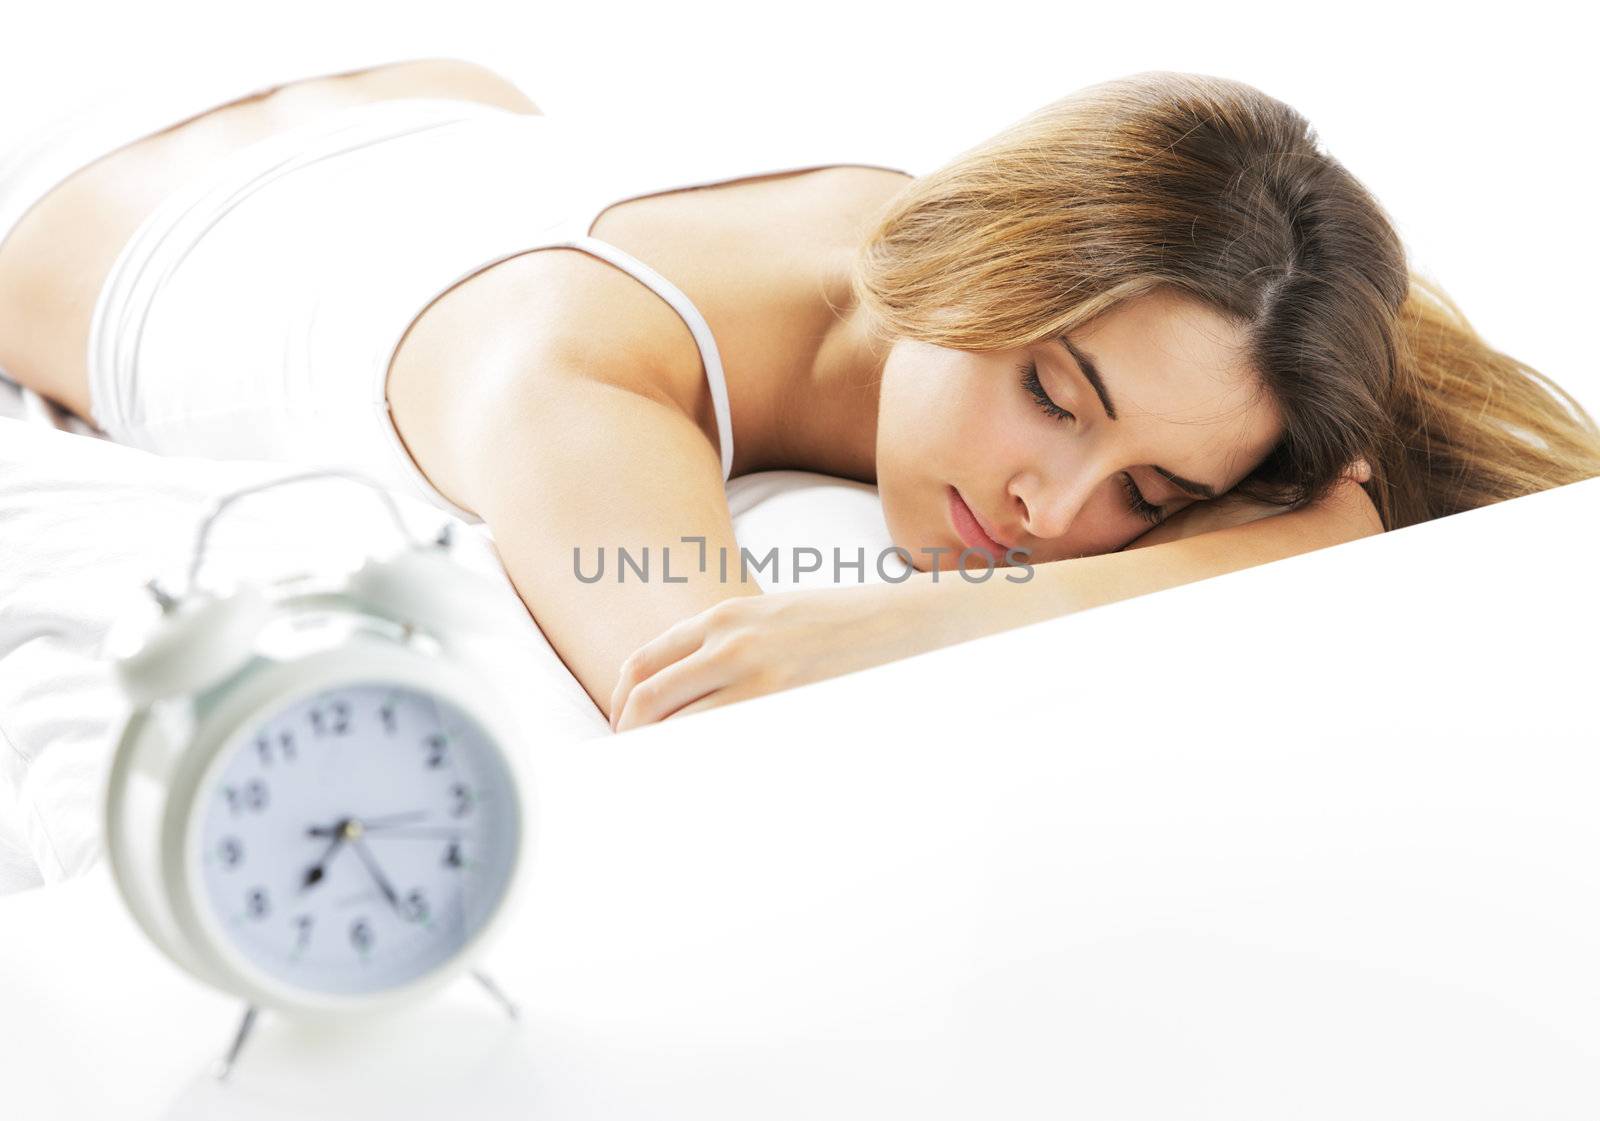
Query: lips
(967, 528)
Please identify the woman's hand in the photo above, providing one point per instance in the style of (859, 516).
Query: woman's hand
(1222, 512)
(1204, 517)
(750, 645)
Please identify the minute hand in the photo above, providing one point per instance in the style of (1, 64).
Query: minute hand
(377, 874)
(426, 832)
(389, 820)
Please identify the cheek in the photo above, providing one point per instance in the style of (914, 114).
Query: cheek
(908, 415)
(900, 459)
(910, 437)
(948, 423)
(940, 425)
(918, 441)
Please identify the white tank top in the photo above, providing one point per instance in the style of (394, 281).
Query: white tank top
(373, 195)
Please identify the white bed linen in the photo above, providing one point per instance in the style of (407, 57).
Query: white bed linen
(84, 522)
(18, 869)
(1311, 840)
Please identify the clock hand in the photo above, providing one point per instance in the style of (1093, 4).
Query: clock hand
(314, 873)
(377, 874)
(391, 819)
(443, 831)
(365, 823)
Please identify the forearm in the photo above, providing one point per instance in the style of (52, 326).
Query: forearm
(570, 481)
(956, 610)
(761, 644)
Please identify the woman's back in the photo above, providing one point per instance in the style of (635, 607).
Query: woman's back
(255, 302)
(54, 259)
(762, 257)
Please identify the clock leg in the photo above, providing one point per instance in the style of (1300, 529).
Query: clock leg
(494, 991)
(225, 1065)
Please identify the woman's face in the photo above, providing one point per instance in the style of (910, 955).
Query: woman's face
(1052, 476)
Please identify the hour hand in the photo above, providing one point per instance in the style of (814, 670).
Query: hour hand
(315, 873)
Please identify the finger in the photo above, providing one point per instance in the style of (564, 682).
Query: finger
(679, 684)
(678, 641)
(710, 700)
(716, 699)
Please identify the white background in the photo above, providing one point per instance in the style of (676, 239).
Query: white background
(1413, 938)
(1473, 129)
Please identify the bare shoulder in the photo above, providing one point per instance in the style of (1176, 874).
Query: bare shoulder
(576, 315)
(857, 195)
(578, 320)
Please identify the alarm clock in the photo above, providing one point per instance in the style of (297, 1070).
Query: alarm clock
(317, 803)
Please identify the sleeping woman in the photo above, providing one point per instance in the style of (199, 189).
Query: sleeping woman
(1148, 334)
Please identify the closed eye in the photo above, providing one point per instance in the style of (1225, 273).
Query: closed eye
(1136, 501)
(1031, 382)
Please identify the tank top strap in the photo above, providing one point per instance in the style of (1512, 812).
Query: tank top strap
(710, 357)
(607, 166)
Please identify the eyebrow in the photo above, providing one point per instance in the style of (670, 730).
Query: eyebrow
(1087, 367)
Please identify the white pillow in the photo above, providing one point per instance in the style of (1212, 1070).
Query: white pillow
(87, 522)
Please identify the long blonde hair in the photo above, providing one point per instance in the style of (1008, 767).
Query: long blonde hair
(1209, 187)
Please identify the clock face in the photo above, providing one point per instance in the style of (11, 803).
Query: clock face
(357, 838)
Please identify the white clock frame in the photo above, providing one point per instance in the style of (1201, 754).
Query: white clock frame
(156, 795)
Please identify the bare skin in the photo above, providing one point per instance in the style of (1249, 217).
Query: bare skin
(566, 404)
(552, 374)
(54, 263)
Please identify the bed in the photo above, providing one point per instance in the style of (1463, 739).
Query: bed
(1316, 838)
(1313, 839)
(87, 521)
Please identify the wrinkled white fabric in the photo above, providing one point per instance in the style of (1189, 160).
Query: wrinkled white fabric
(85, 522)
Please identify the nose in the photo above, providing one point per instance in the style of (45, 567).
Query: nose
(1049, 507)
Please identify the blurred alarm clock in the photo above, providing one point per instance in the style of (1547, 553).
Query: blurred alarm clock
(316, 803)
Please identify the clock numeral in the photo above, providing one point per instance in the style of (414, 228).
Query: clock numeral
(285, 748)
(416, 906)
(231, 851)
(257, 904)
(452, 855)
(251, 796)
(361, 935)
(436, 745)
(462, 800)
(303, 925)
(340, 718)
(386, 713)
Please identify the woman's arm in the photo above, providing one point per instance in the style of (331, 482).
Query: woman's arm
(745, 648)
(1253, 534)
(563, 460)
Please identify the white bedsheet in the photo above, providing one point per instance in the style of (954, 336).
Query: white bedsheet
(1315, 839)
(18, 869)
(84, 522)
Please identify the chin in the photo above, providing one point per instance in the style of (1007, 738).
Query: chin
(947, 561)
